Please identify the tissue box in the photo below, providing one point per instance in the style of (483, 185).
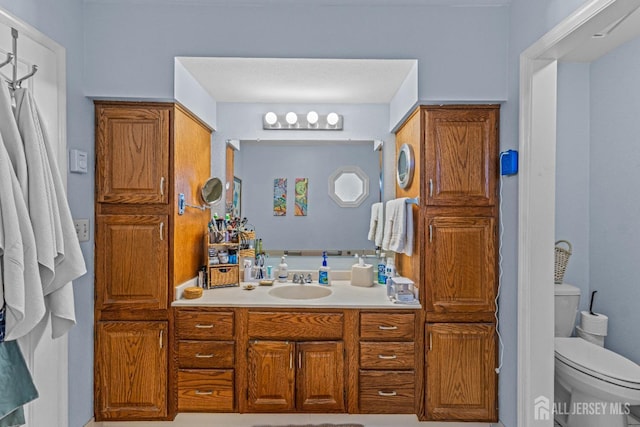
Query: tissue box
(402, 289)
(362, 275)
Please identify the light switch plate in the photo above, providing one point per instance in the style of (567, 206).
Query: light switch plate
(78, 161)
(82, 229)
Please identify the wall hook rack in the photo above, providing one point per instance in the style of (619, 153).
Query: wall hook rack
(12, 58)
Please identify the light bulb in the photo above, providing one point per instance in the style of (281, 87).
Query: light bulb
(312, 117)
(271, 118)
(332, 119)
(291, 118)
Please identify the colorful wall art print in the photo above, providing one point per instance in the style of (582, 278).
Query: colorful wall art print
(302, 186)
(280, 197)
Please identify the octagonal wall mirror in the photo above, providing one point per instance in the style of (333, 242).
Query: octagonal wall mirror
(348, 186)
(405, 166)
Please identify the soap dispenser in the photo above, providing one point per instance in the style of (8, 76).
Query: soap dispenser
(390, 272)
(324, 273)
(283, 272)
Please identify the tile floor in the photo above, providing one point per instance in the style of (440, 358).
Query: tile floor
(250, 420)
(632, 422)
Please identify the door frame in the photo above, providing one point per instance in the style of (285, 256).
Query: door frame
(536, 204)
(47, 389)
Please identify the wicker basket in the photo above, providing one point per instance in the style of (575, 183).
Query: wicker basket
(223, 276)
(562, 259)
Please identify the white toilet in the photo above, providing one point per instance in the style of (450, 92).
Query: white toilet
(593, 386)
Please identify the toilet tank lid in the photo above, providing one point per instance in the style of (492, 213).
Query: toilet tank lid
(566, 289)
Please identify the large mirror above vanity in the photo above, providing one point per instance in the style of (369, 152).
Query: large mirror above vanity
(343, 180)
(367, 96)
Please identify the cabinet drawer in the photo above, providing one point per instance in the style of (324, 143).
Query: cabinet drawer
(382, 326)
(387, 355)
(205, 390)
(199, 325)
(387, 392)
(205, 354)
(292, 326)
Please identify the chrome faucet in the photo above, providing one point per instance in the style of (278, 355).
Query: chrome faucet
(301, 279)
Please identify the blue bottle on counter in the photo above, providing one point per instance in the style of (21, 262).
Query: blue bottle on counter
(324, 273)
(382, 278)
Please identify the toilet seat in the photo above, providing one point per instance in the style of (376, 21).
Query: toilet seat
(598, 362)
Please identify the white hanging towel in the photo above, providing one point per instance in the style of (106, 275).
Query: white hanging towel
(376, 224)
(23, 296)
(42, 204)
(389, 220)
(12, 139)
(69, 264)
(398, 227)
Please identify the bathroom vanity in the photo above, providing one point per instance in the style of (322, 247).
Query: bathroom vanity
(248, 351)
(234, 350)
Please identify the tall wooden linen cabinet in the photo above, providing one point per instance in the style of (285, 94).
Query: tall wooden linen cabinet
(146, 154)
(455, 259)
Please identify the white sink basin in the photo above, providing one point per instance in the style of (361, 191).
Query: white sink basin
(300, 292)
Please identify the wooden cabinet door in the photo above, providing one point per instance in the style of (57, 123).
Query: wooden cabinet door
(460, 264)
(271, 376)
(132, 152)
(132, 263)
(131, 370)
(461, 380)
(320, 377)
(461, 155)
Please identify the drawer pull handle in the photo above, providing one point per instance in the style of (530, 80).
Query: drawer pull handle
(204, 356)
(204, 393)
(200, 326)
(382, 356)
(387, 328)
(387, 393)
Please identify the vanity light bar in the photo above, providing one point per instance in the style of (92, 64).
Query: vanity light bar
(299, 121)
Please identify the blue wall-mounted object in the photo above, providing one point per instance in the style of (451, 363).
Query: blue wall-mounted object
(509, 162)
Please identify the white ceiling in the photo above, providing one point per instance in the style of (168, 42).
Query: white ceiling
(296, 80)
(616, 30)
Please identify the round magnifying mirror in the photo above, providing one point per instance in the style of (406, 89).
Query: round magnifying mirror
(212, 191)
(405, 165)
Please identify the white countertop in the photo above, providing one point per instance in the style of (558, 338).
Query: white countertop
(343, 295)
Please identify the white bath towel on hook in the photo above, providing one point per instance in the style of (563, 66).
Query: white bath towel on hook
(22, 291)
(69, 263)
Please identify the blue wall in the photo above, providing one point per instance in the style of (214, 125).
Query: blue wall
(130, 45)
(572, 171)
(115, 49)
(615, 205)
(62, 21)
(529, 20)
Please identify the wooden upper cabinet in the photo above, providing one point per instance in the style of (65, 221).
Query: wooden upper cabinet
(461, 381)
(460, 265)
(132, 263)
(460, 155)
(320, 377)
(132, 154)
(131, 373)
